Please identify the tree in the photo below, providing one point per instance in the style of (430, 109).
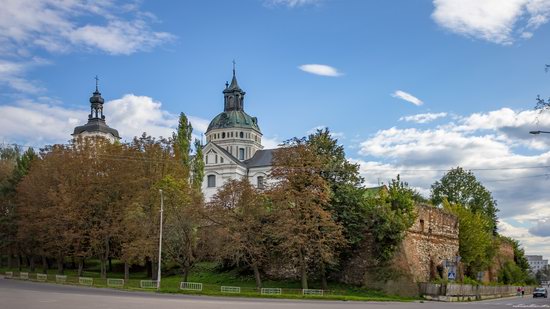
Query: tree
(182, 140)
(458, 186)
(9, 156)
(240, 214)
(304, 231)
(346, 195)
(198, 167)
(391, 214)
(476, 244)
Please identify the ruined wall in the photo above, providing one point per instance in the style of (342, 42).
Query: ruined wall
(505, 253)
(432, 239)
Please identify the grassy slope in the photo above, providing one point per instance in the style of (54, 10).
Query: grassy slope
(212, 280)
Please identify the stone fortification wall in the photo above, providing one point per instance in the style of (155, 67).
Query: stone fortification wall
(431, 240)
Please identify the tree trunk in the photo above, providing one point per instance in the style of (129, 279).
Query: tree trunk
(103, 267)
(10, 260)
(184, 273)
(324, 284)
(80, 266)
(303, 269)
(60, 262)
(44, 265)
(31, 264)
(257, 276)
(110, 264)
(149, 267)
(19, 262)
(126, 271)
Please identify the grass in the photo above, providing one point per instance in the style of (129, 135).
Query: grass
(212, 279)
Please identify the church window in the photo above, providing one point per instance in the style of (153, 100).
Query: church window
(260, 184)
(216, 161)
(206, 161)
(241, 153)
(211, 181)
(223, 135)
(242, 135)
(231, 134)
(221, 159)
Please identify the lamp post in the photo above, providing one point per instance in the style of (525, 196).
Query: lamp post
(538, 132)
(160, 237)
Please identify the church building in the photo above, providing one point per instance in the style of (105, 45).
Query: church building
(233, 147)
(96, 126)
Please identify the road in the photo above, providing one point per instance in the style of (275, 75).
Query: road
(15, 294)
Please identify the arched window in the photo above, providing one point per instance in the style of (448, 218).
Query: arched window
(241, 134)
(223, 135)
(260, 184)
(241, 153)
(211, 181)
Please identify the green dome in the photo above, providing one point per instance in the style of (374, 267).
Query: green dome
(234, 119)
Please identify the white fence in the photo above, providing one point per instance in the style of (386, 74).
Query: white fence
(9, 274)
(148, 284)
(312, 292)
(60, 278)
(271, 291)
(191, 286)
(85, 281)
(41, 277)
(115, 283)
(230, 289)
(24, 276)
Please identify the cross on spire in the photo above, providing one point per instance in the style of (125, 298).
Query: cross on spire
(234, 63)
(96, 83)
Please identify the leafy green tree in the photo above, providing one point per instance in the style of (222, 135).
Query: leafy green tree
(198, 166)
(346, 195)
(391, 214)
(476, 245)
(182, 140)
(459, 186)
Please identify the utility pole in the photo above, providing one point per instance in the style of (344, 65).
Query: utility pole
(160, 238)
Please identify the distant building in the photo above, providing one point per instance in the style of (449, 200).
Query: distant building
(536, 262)
(96, 126)
(234, 145)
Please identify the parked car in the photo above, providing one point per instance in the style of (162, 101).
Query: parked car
(540, 292)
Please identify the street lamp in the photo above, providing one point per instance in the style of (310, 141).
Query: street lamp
(538, 132)
(160, 237)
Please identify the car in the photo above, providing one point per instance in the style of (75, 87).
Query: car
(540, 292)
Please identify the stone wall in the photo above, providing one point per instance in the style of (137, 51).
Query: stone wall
(432, 239)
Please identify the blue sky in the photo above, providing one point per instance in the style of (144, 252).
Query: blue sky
(410, 87)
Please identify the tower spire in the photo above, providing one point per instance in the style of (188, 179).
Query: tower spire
(96, 83)
(234, 63)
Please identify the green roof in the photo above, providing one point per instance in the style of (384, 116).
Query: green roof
(234, 119)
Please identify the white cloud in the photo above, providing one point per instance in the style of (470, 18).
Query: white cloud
(291, 3)
(55, 26)
(38, 123)
(495, 145)
(27, 26)
(336, 135)
(496, 21)
(407, 97)
(271, 142)
(320, 69)
(423, 118)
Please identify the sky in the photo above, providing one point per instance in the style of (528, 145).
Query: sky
(408, 87)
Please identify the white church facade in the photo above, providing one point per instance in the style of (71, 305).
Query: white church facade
(233, 147)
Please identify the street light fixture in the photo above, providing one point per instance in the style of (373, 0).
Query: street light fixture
(160, 237)
(538, 132)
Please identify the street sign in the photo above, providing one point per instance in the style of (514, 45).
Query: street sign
(451, 275)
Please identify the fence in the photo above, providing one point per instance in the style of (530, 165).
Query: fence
(115, 283)
(148, 284)
(41, 277)
(312, 292)
(230, 289)
(455, 291)
(24, 276)
(9, 274)
(191, 286)
(60, 278)
(271, 291)
(85, 281)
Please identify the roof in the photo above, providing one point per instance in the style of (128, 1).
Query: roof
(96, 125)
(260, 158)
(234, 119)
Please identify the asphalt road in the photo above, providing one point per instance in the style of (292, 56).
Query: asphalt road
(15, 294)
